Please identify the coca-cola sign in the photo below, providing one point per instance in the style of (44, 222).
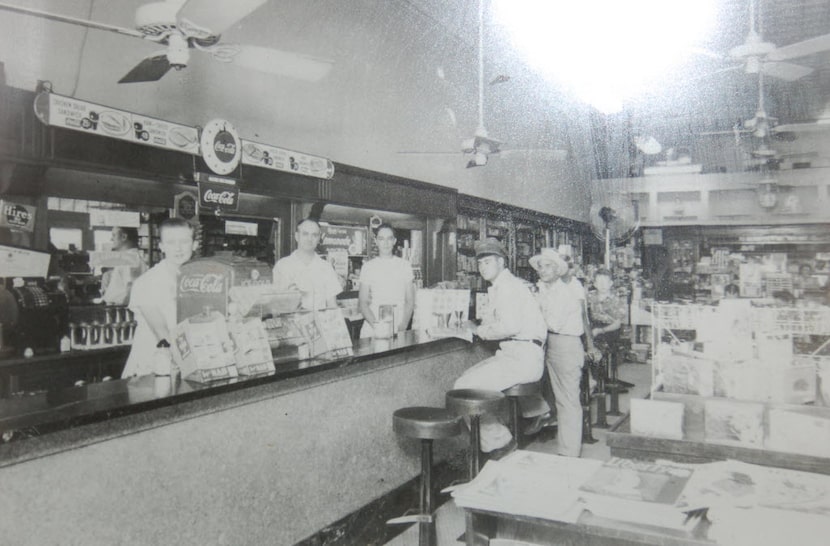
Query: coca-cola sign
(218, 196)
(202, 283)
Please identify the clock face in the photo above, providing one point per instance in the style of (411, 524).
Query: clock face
(767, 199)
(220, 146)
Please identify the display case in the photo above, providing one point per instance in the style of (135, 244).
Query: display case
(750, 381)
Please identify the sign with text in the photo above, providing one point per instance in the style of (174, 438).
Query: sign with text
(69, 113)
(351, 239)
(120, 218)
(279, 159)
(653, 237)
(22, 262)
(17, 216)
(218, 196)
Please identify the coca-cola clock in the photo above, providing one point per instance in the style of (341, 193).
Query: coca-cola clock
(220, 146)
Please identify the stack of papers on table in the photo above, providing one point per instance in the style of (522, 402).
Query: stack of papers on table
(758, 505)
(529, 484)
(638, 492)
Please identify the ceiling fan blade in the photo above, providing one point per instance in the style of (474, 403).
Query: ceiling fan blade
(548, 153)
(282, 63)
(71, 20)
(800, 49)
(814, 127)
(428, 153)
(148, 70)
(217, 16)
(785, 71)
(718, 71)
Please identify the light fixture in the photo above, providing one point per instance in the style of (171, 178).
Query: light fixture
(479, 159)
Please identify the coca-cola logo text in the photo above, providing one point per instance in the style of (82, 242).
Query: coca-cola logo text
(202, 283)
(225, 146)
(218, 198)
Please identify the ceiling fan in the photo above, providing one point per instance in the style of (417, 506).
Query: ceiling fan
(480, 146)
(182, 25)
(761, 125)
(757, 56)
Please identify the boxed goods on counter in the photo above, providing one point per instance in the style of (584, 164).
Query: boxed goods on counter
(203, 349)
(252, 349)
(313, 333)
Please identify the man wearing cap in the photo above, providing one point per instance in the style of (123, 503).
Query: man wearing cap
(513, 318)
(563, 307)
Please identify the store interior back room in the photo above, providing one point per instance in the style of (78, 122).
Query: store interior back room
(680, 145)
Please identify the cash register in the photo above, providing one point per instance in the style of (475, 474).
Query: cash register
(33, 313)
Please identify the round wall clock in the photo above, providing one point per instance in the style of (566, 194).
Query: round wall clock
(220, 146)
(767, 198)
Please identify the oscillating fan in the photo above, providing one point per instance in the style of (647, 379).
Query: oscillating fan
(613, 219)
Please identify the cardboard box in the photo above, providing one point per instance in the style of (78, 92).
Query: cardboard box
(734, 423)
(686, 374)
(804, 430)
(203, 350)
(252, 349)
(657, 418)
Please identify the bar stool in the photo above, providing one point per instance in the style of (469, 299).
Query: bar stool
(474, 403)
(598, 369)
(425, 424)
(585, 398)
(513, 393)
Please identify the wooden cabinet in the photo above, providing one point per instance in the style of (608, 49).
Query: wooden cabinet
(522, 232)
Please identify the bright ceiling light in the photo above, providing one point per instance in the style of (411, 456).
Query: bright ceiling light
(605, 51)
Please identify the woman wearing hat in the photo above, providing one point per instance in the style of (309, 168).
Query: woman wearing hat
(565, 313)
(513, 318)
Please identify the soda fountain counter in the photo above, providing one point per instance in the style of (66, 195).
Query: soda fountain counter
(293, 449)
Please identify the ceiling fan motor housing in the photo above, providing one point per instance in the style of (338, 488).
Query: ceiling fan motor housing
(177, 51)
(156, 18)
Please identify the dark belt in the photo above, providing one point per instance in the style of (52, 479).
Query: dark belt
(538, 342)
(558, 334)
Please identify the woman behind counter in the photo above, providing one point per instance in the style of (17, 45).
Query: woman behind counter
(386, 280)
(153, 298)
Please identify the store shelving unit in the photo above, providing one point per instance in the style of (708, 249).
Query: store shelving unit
(752, 383)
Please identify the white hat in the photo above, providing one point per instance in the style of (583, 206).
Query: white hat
(549, 255)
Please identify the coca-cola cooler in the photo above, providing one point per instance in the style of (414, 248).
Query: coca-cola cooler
(206, 283)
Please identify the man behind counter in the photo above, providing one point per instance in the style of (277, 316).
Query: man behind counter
(305, 271)
(153, 299)
(117, 282)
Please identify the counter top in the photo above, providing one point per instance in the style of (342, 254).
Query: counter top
(36, 414)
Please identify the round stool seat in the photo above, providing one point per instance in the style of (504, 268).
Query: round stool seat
(523, 389)
(426, 423)
(474, 401)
